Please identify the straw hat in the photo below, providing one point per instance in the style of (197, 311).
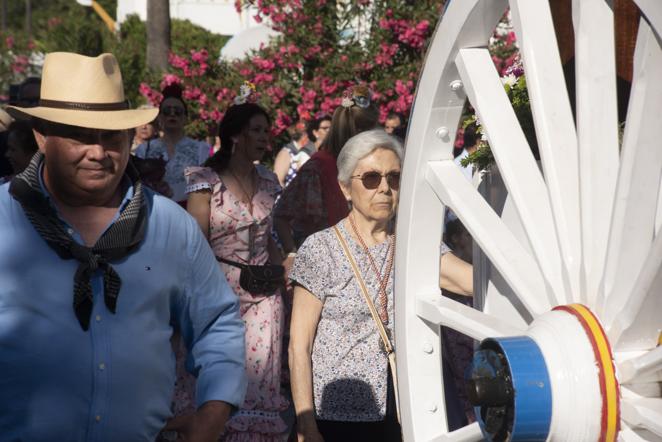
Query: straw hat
(86, 92)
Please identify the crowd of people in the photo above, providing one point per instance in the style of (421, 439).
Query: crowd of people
(160, 288)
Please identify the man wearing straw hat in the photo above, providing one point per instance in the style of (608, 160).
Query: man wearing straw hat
(95, 272)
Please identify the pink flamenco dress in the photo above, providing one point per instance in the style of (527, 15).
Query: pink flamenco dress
(238, 235)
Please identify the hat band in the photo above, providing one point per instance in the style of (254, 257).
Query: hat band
(72, 105)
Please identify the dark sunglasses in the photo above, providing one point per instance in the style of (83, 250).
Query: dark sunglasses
(372, 180)
(172, 111)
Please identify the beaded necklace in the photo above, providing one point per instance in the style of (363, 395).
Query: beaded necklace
(383, 280)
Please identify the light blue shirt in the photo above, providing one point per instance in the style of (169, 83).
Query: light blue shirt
(115, 381)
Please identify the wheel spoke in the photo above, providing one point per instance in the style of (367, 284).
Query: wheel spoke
(467, 320)
(637, 326)
(597, 133)
(420, 214)
(653, 14)
(555, 129)
(470, 433)
(635, 206)
(516, 162)
(495, 239)
(627, 434)
(642, 366)
(644, 413)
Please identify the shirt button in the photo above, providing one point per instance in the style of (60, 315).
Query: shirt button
(97, 418)
(102, 366)
(98, 318)
(70, 231)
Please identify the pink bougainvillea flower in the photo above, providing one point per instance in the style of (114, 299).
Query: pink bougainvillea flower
(169, 79)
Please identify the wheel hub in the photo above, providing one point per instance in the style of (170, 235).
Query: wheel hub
(557, 382)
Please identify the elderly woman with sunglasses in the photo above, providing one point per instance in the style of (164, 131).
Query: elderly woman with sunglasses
(341, 383)
(174, 147)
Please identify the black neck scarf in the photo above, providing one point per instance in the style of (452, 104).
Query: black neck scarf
(122, 238)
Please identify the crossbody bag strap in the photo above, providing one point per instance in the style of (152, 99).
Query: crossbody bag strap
(373, 311)
(232, 263)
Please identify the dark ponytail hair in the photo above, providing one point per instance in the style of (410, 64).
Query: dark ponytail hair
(347, 122)
(234, 122)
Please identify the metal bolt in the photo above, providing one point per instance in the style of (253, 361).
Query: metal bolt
(442, 132)
(432, 407)
(427, 347)
(456, 85)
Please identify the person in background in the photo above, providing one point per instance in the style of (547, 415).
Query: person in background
(313, 200)
(392, 123)
(470, 145)
(174, 147)
(293, 155)
(21, 145)
(232, 199)
(317, 130)
(145, 132)
(5, 121)
(28, 92)
(341, 382)
(96, 271)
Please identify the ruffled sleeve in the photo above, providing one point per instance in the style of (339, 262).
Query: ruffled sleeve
(200, 178)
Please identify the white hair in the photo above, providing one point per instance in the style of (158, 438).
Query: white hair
(362, 145)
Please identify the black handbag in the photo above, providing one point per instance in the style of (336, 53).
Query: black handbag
(262, 280)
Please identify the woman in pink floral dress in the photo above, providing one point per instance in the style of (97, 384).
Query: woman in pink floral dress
(232, 200)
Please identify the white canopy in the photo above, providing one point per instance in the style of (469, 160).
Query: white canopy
(247, 40)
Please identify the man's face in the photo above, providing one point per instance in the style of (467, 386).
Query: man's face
(83, 162)
(391, 124)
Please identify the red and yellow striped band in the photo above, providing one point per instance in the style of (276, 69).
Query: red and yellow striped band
(609, 388)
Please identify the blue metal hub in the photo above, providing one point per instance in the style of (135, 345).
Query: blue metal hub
(508, 384)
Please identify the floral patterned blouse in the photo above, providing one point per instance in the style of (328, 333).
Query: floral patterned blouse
(349, 366)
(188, 152)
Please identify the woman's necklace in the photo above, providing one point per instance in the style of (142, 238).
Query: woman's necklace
(249, 195)
(383, 280)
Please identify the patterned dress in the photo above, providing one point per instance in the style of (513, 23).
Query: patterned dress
(188, 152)
(298, 158)
(237, 235)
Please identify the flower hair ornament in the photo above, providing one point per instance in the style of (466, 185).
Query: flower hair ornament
(246, 94)
(357, 95)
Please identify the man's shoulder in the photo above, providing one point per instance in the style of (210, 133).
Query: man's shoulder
(163, 209)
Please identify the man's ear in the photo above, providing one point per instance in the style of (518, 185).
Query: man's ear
(40, 139)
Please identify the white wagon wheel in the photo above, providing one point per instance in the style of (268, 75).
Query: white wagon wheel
(587, 235)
